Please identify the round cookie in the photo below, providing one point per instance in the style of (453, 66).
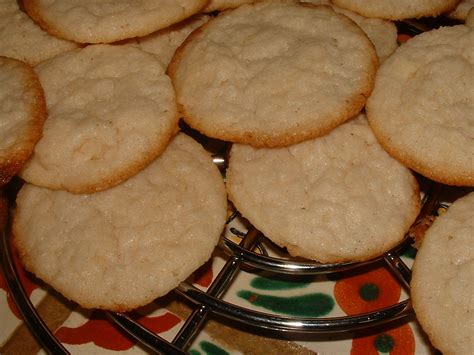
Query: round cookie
(273, 73)
(22, 115)
(122, 248)
(108, 118)
(335, 198)
(442, 280)
(92, 21)
(382, 33)
(422, 106)
(164, 43)
(397, 9)
(24, 40)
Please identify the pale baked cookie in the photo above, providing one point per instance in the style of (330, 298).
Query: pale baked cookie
(398, 9)
(335, 198)
(382, 33)
(225, 4)
(22, 115)
(92, 21)
(422, 107)
(22, 39)
(273, 73)
(164, 43)
(443, 279)
(462, 10)
(121, 248)
(112, 110)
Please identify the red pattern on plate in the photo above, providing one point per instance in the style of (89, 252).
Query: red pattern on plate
(103, 333)
(26, 280)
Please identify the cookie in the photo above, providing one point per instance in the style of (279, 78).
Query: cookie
(335, 198)
(22, 115)
(397, 9)
(221, 5)
(121, 248)
(164, 43)
(104, 22)
(462, 10)
(442, 280)
(422, 107)
(109, 117)
(273, 73)
(382, 33)
(24, 40)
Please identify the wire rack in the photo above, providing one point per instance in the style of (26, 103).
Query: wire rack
(247, 253)
(239, 256)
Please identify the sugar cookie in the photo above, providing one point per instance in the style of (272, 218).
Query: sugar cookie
(121, 248)
(273, 73)
(108, 118)
(442, 280)
(335, 198)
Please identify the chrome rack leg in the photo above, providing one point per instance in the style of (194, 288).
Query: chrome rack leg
(221, 283)
(31, 318)
(399, 269)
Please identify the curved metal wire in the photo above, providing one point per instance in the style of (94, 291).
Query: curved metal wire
(30, 316)
(295, 324)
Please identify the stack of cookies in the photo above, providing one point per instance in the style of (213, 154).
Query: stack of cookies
(328, 119)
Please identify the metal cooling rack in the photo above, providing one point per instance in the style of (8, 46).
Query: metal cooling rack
(240, 256)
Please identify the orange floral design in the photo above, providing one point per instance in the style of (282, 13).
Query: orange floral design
(396, 341)
(367, 292)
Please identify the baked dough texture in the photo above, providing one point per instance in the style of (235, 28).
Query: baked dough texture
(92, 21)
(121, 248)
(336, 198)
(163, 43)
(225, 4)
(462, 10)
(398, 9)
(422, 106)
(443, 278)
(470, 18)
(23, 39)
(273, 73)
(112, 110)
(22, 115)
(382, 33)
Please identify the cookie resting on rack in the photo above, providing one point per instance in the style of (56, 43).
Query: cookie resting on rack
(92, 21)
(335, 198)
(23, 39)
(108, 118)
(121, 248)
(22, 115)
(163, 43)
(442, 280)
(422, 106)
(382, 33)
(273, 74)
